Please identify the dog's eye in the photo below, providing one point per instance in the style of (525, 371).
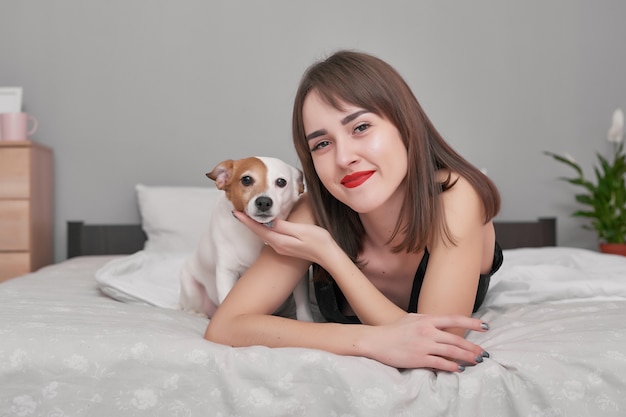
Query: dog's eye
(281, 182)
(247, 181)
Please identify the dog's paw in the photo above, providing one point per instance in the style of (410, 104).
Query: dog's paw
(191, 311)
(197, 314)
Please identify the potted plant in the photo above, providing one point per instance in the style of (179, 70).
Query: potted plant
(604, 199)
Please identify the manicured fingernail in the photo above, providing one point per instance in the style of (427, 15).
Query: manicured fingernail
(479, 358)
(484, 326)
(485, 354)
(461, 368)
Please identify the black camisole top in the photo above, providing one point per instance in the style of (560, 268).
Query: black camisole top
(331, 300)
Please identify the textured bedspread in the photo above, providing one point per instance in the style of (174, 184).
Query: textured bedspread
(66, 349)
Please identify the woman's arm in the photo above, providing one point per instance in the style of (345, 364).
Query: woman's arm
(414, 341)
(451, 279)
(301, 238)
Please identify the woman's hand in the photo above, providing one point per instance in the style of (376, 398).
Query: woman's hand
(304, 241)
(421, 341)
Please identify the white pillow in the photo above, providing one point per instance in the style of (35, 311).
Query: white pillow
(174, 218)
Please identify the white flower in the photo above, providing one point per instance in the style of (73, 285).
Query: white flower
(18, 359)
(374, 397)
(616, 132)
(23, 405)
(605, 403)
(77, 362)
(199, 357)
(469, 387)
(50, 390)
(144, 399)
(573, 390)
(172, 382)
(260, 397)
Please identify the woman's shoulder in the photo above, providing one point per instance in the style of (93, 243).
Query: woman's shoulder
(455, 185)
(460, 200)
(463, 214)
(472, 188)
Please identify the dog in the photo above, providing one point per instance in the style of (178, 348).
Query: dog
(265, 189)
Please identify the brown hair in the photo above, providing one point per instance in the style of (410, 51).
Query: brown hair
(368, 82)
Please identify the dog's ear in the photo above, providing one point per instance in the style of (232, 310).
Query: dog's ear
(222, 173)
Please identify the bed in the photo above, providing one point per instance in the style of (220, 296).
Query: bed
(72, 344)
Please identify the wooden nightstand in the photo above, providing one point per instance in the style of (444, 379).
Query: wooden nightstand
(26, 206)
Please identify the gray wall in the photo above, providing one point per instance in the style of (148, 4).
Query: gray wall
(158, 92)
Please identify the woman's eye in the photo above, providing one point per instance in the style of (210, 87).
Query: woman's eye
(361, 128)
(319, 145)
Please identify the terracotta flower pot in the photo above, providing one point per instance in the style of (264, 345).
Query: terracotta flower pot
(614, 248)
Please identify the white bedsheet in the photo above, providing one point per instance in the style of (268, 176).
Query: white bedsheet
(66, 349)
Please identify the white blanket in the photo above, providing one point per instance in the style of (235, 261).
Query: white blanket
(574, 274)
(143, 278)
(556, 274)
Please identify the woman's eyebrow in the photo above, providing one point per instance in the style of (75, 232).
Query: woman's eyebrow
(315, 134)
(352, 116)
(344, 122)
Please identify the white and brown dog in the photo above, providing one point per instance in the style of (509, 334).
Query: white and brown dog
(265, 189)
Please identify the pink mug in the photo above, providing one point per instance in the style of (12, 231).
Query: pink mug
(14, 126)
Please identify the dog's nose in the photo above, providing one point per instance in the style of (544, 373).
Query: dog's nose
(263, 203)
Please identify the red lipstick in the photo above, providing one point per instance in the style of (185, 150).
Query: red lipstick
(355, 179)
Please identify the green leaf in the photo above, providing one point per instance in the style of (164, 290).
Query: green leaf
(606, 198)
(565, 161)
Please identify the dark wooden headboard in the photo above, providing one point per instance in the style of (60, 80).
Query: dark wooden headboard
(89, 239)
(526, 234)
(83, 239)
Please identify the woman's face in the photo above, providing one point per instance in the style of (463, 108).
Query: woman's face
(359, 156)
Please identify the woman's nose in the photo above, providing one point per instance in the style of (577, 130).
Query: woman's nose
(346, 151)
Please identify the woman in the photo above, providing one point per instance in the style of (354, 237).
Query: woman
(394, 222)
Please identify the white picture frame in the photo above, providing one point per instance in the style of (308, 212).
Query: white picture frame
(10, 99)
